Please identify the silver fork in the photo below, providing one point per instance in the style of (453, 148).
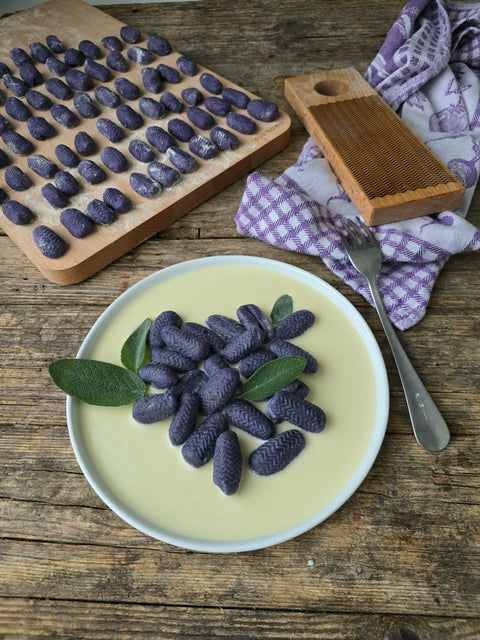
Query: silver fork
(430, 429)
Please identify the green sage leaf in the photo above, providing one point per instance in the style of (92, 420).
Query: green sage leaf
(134, 347)
(282, 308)
(272, 376)
(96, 382)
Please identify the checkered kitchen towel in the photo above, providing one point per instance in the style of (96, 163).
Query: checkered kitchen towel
(428, 70)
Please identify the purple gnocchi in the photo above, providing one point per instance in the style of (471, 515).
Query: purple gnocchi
(129, 117)
(39, 51)
(294, 324)
(78, 80)
(54, 44)
(144, 185)
(56, 67)
(159, 45)
(40, 129)
(16, 179)
(151, 108)
(117, 200)
(199, 447)
(112, 43)
(244, 344)
(66, 156)
(106, 96)
(186, 65)
(42, 166)
(66, 183)
(176, 361)
(17, 86)
(184, 421)
(100, 212)
(141, 151)
(217, 106)
(250, 315)
(159, 138)
(54, 196)
(19, 56)
(130, 34)
(154, 408)
(263, 110)
(244, 415)
(30, 74)
(276, 453)
(211, 83)
(185, 343)
(209, 336)
(64, 116)
(202, 147)
(192, 96)
(17, 212)
(17, 143)
(158, 375)
(169, 74)
(297, 411)
(85, 106)
(50, 244)
(58, 88)
(171, 102)
(180, 129)
(241, 123)
(152, 80)
(17, 109)
(115, 60)
(38, 100)
(73, 57)
(129, 90)
(97, 70)
(89, 49)
(227, 463)
(238, 98)
(182, 160)
(77, 223)
(218, 390)
(92, 173)
(110, 129)
(200, 118)
(227, 328)
(84, 144)
(114, 159)
(140, 55)
(163, 174)
(164, 319)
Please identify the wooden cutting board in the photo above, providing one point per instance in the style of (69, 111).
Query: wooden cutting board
(387, 171)
(73, 21)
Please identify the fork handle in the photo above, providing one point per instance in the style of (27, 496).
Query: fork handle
(429, 427)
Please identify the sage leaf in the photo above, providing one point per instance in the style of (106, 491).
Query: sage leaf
(134, 347)
(282, 308)
(272, 376)
(96, 382)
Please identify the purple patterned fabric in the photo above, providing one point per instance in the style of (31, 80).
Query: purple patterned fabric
(428, 70)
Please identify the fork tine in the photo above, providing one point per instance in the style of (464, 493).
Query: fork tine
(360, 226)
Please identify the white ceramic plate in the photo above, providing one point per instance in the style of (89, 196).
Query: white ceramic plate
(355, 469)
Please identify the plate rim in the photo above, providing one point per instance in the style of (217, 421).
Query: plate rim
(358, 475)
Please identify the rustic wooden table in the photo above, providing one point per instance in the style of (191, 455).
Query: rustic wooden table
(398, 561)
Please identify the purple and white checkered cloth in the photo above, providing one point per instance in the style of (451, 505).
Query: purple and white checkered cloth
(428, 70)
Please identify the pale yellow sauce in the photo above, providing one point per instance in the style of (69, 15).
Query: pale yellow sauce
(149, 475)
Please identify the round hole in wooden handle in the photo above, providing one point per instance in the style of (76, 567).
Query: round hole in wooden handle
(331, 87)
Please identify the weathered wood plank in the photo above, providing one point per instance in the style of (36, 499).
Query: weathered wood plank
(103, 621)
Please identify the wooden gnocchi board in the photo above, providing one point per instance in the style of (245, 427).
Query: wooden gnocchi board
(387, 171)
(73, 21)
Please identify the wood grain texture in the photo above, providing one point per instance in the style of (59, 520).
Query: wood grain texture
(399, 561)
